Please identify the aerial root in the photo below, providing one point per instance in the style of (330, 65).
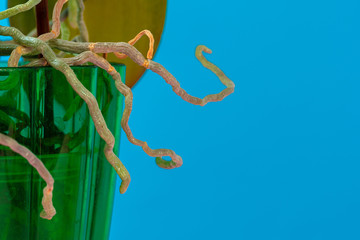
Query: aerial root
(150, 52)
(49, 210)
(223, 78)
(136, 56)
(88, 56)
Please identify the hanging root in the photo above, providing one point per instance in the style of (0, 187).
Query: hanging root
(49, 210)
(150, 52)
(170, 79)
(136, 56)
(89, 56)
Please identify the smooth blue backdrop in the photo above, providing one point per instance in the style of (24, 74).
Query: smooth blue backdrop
(278, 159)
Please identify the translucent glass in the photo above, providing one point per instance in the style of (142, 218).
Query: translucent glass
(41, 111)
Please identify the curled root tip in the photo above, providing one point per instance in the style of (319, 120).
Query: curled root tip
(49, 211)
(169, 164)
(124, 186)
(203, 48)
(48, 215)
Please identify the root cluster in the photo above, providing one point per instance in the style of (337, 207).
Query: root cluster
(85, 52)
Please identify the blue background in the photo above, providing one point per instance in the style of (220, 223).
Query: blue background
(278, 159)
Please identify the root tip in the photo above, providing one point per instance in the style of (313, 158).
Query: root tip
(124, 185)
(169, 164)
(48, 215)
(203, 48)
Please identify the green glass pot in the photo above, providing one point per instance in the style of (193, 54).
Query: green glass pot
(41, 111)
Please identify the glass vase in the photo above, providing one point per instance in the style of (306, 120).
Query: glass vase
(41, 111)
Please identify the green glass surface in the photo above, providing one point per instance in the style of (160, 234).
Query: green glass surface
(40, 110)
